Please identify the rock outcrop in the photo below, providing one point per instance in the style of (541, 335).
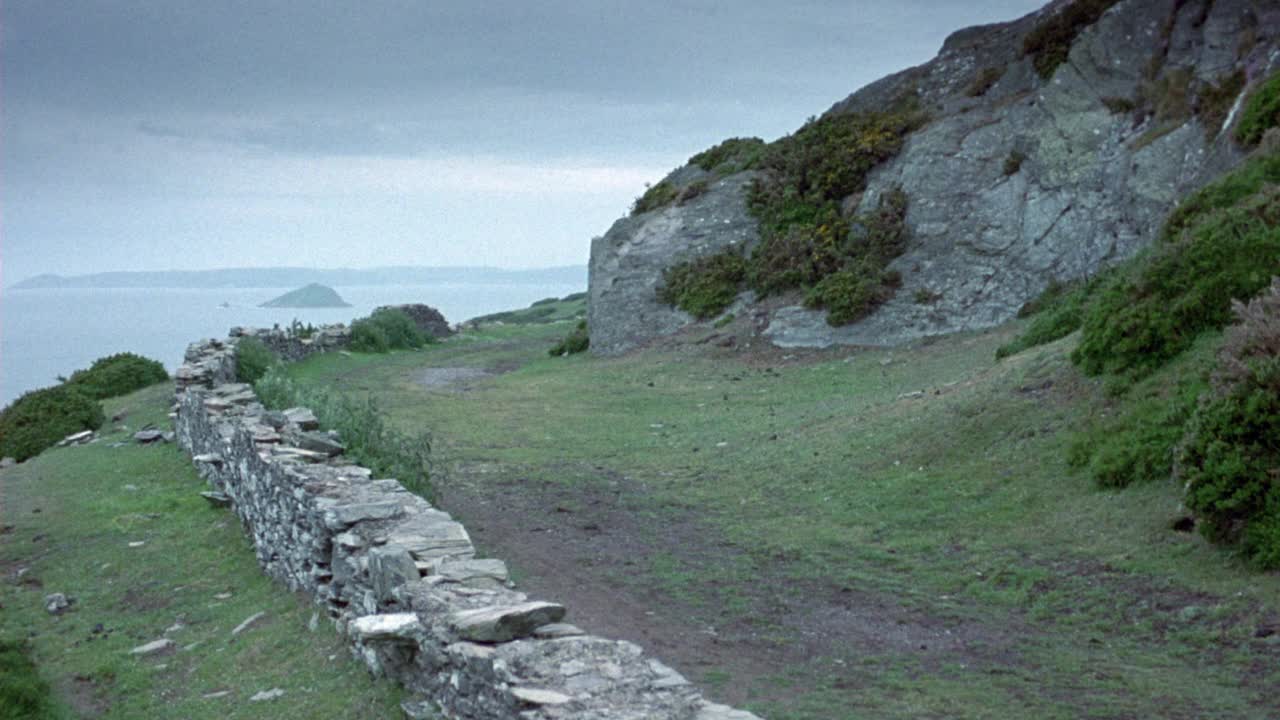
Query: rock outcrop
(1012, 185)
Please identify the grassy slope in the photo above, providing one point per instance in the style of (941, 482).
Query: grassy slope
(959, 504)
(70, 515)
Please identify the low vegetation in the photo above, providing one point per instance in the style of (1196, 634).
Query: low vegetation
(253, 359)
(578, 340)
(655, 197)
(365, 434)
(116, 375)
(1261, 111)
(705, 286)
(1049, 44)
(1055, 314)
(385, 330)
(543, 311)
(24, 695)
(731, 156)
(1230, 459)
(984, 80)
(40, 418)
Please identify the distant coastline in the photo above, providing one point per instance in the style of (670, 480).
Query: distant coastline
(295, 276)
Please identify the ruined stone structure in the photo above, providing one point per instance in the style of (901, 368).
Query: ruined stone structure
(398, 576)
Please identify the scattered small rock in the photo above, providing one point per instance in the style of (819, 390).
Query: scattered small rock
(137, 543)
(154, 647)
(248, 621)
(7, 462)
(534, 696)
(271, 694)
(146, 437)
(217, 499)
(314, 623)
(216, 694)
(56, 603)
(222, 596)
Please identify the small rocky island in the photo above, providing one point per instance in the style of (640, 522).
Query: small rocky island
(314, 295)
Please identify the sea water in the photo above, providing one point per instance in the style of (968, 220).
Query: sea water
(47, 333)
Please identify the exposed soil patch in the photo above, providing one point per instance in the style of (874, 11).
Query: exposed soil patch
(86, 695)
(660, 577)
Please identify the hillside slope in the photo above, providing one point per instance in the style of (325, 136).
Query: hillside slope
(1023, 171)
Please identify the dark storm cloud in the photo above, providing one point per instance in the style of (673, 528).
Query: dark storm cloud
(241, 126)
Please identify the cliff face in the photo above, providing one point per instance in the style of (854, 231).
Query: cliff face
(1016, 180)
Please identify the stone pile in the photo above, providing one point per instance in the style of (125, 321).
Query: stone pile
(291, 347)
(400, 577)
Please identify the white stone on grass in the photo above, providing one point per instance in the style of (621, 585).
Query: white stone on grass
(390, 626)
(153, 647)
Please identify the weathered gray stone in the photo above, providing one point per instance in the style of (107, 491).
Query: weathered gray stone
(477, 573)
(7, 462)
(154, 647)
(390, 566)
(392, 626)
(552, 631)
(217, 499)
(503, 624)
(248, 622)
(266, 695)
(344, 516)
(318, 443)
(303, 418)
(536, 696)
(56, 603)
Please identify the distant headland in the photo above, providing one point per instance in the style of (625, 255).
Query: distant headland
(282, 277)
(314, 295)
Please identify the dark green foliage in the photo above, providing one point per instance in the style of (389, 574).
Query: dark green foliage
(1247, 180)
(983, 81)
(23, 694)
(1137, 443)
(575, 342)
(693, 190)
(851, 294)
(1057, 313)
(1142, 318)
(1013, 163)
(731, 156)
(253, 359)
(1216, 101)
(118, 374)
(1119, 105)
(657, 196)
(40, 418)
(528, 316)
(1050, 42)
(545, 301)
(1261, 111)
(705, 286)
(574, 297)
(298, 330)
(1230, 459)
(386, 329)
(368, 439)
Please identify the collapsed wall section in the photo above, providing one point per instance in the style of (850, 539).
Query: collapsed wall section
(399, 577)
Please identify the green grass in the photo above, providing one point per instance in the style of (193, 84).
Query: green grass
(70, 515)
(959, 505)
(1261, 111)
(543, 311)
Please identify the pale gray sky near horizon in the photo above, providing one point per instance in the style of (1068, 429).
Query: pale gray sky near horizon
(152, 135)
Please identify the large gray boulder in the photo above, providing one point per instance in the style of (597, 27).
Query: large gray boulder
(987, 232)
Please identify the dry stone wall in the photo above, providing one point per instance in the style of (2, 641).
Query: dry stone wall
(399, 577)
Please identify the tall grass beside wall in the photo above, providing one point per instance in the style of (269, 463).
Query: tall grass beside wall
(369, 440)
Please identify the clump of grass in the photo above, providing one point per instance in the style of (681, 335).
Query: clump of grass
(1247, 180)
(1216, 101)
(731, 156)
(1119, 105)
(23, 694)
(578, 340)
(385, 330)
(853, 293)
(705, 286)
(655, 197)
(368, 439)
(1261, 111)
(1049, 44)
(925, 296)
(1230, 459)
(693, 190)
(984, 80)
(1057, 312)
(253, 359)
(40, 418)
(116, 375)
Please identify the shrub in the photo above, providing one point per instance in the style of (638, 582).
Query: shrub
(361, 425)
(655, 197)
(387, 329)
(118, 374)
(575, 342)
(731, 156)
(40, 418)
(1141, 319)
(1216, 101)
(1050, 42)
(1247, 180)
(253, 358)
(705, 286)
(852, 294)
(1230, 459)
(984, 80)
(1057, 312)
(23, 694)
(1261, 111)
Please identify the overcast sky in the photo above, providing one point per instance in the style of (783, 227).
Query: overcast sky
(207, 133)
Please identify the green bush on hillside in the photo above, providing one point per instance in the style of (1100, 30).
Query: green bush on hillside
(575, 342)
(40, 418)
(1261, 111)
(656, 196)
(1142, 318)
(1049, 44)
(1228, 191)
(118, 374)
(731, 156)
(23, 694)
(385, 330)
(368, 439)
(1056, 313)
(705, 286)
(253, 358)
(1230, 459)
